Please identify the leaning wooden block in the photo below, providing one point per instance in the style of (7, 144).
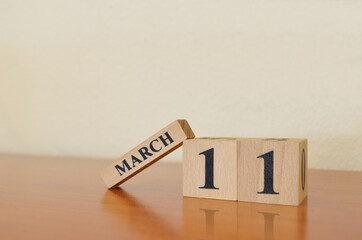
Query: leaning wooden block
(210, 168)
(147, 153)
(272, 170)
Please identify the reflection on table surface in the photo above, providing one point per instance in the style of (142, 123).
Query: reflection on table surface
(207, 218)
(229, 219)
(137, 216)
(151, 207)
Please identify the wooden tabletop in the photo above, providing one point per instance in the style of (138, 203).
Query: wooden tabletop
(65, 198)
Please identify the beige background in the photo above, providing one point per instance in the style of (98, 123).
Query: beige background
(95, 78)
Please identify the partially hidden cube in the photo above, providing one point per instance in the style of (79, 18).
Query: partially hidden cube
(246, 169)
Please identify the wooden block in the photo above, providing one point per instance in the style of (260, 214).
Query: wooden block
(272, 170)
(210, 168)
(246, 169)
(150, 151)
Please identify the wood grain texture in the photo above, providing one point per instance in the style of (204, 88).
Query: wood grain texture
(224, 168)
(147, 153)
(287, 160)
(64, 198)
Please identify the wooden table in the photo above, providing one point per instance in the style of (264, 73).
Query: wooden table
(65, 198)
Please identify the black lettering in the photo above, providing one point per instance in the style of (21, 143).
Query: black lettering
(268, 173)
(135, 160)
(209, 169)
(168, 137)
(153, 149)
(123, 168)
(303, 170)
(144, 151)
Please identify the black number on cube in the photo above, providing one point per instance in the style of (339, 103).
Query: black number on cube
(209, 169)
(303, 169)
(268, 173)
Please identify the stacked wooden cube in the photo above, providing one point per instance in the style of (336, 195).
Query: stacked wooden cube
(264, 170)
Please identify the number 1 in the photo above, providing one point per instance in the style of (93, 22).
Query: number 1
(209, 169)
(268, 173)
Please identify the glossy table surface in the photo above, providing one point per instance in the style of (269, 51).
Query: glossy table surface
(65, 198)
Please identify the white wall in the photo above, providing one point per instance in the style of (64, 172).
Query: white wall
(95, 78)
